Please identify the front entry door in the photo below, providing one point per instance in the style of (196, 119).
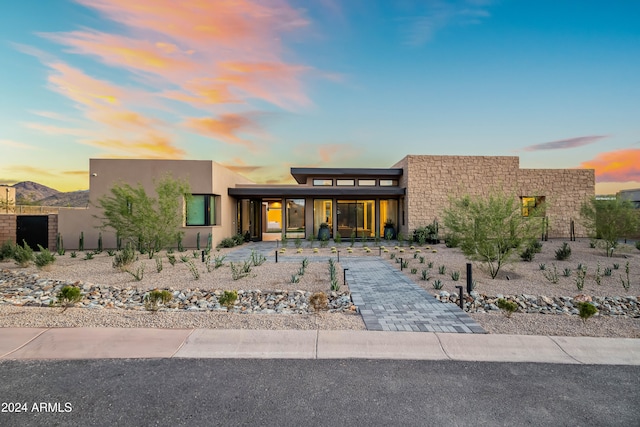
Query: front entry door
(250, 213)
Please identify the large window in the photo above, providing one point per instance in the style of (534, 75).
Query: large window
(532, 206)
(322, 213)
(295, 217)
(201, 210)
(388, 214)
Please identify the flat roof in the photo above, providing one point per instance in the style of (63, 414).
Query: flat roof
(301, 174)
(299, 191)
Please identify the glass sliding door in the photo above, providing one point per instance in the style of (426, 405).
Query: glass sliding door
(294, 216)
(322, 213)
(356, 216)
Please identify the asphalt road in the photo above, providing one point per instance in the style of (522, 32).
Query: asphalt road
(194, 392)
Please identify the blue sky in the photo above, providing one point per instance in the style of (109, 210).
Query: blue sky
(261, 86)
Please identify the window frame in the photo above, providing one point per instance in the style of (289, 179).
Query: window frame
(211, 211)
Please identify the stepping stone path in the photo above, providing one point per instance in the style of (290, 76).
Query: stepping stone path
(389, 301)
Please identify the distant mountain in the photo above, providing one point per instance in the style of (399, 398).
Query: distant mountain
(74, 199)
(32, 193)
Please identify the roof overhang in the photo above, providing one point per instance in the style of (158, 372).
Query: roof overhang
(301, 174)
(300, 191)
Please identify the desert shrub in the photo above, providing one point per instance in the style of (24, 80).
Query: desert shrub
(626, 283)
(534, 247)
(194, 270)
(425, 275)
(111, 252)
(609, 220)
(44, 258)
(257, 259)
(124, 258)
(414, 270)
(551, 275)
(507, 307)
(240, 272)
(23, 255)
(239, 239)
(138, 274)
(442, 269)
(158, 265)
(566, 272)
(455, 276)
(74, 254)
(586, 310)
(581, 274)
(452, 241)
(155, 298)
(60, 244)
(172, 259)
(295, 278)
(227, 242)
(564, 252)
(318, 301)
(337, 239)
(6, 250)
(228, 299)
(437, 284)
(69, 296)
(88, 256)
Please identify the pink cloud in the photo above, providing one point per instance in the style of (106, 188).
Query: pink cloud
(616, 166)
(225, 128)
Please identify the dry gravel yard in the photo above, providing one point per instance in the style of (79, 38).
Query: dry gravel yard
(523, 278)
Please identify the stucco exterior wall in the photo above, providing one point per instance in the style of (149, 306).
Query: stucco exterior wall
(203, 176)
(431, 181)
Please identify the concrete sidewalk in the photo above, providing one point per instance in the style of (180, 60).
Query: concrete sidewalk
(105, 343)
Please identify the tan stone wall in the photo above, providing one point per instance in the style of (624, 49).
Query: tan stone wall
(430, 182)
(565, 190)
(7, 228)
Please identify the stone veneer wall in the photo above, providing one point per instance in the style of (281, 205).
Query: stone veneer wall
(565, 190)
(431, 180)
(7, 228)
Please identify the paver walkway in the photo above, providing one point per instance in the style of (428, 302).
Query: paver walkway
(389, 301)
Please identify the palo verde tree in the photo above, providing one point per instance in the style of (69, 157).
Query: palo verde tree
(152, 223)
(491, 229)
(610, 220)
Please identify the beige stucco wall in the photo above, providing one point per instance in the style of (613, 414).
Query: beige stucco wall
(431, 181)
(203, 176)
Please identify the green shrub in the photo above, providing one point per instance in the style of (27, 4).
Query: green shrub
(153, 299)
(437, 284)
(452, 241)
(7, 249)
(580, 276)
(507, 307)
(337, 238)
(295, 278)
(23, 255)
(69, 296)
(228, 242)
(239, 239)
(551, 275)
(425, 275)
(414, 270)
(257, 259)
(566, 272)
(455, 276)
(564, 252)
(442, 269)
(44, 258)
(228, 299)
(586, 310)
(88, 256)
(74, 254)
(158, 264)
(171, 259)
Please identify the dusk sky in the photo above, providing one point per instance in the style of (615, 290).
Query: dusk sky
(264, 85)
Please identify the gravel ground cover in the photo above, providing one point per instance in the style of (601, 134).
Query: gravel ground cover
(516, 278)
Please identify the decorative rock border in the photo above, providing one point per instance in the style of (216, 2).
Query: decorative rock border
(607, 306)
(29, 290)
